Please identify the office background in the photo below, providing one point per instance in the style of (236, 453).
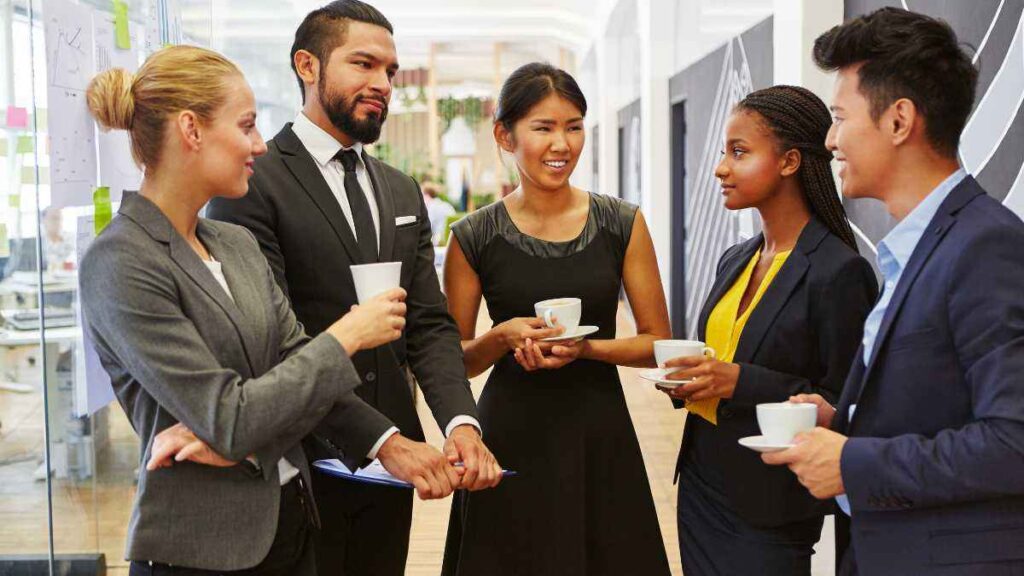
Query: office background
(660, 77)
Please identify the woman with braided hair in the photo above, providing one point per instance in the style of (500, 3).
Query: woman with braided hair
(785, 316)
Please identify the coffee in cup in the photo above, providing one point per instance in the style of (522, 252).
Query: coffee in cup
(665, 350)
(564, 312)
(781, 421)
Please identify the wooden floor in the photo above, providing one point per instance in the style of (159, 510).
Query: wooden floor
(91, 516)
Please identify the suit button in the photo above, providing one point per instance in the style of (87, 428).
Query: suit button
(725, 412)
(371, 376)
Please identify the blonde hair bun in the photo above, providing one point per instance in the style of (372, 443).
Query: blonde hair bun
(110, 99)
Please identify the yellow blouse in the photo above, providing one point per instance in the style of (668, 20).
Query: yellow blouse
(725, 324)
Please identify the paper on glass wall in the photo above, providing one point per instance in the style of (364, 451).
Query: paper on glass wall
(163, 24)
(92, 384)
(71, 131)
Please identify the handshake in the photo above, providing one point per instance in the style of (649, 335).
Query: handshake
(380, 320)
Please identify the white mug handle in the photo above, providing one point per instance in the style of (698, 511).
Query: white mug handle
(548, 320)
(708, 352)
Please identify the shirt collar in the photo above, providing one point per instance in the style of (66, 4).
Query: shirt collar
(321, 145)
(898, 245)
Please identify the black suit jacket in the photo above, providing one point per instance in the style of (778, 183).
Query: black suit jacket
(307, 240)
(800, 338)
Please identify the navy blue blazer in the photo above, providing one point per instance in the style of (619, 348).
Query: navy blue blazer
(800, 338)
(934, 467)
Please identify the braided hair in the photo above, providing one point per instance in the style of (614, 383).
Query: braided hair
(799, 119)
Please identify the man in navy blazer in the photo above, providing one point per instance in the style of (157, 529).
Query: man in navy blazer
(926, 449)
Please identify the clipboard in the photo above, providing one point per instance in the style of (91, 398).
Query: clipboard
(374, 473)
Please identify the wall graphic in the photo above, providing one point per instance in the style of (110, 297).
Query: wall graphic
(992, 145)
(710, 89)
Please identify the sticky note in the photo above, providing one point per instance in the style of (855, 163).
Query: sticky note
(26, 145)
(122, 38)
(101, 205)
(3, 147)
(17, 117)
(14, 200)
(5, 245)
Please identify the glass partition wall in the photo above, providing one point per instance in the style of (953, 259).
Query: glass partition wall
(68, 456)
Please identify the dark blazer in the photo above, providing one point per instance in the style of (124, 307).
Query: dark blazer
(934, 467)
(800, 338)
(238, 371)
(310, 246)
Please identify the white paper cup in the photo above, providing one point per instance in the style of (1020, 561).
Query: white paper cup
(665, 350)
(781, 421)
(374, 279)
(564, 312)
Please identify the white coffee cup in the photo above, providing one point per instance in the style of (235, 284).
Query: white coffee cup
(665, 350)
(374, 279)
(564, 312)
(781, 421)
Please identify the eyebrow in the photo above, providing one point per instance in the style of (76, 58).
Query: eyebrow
(835, 108)
(363, 54)
(732, 141)
(249, 116)
(550, 121)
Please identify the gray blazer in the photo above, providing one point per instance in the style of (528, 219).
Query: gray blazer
(241, 374)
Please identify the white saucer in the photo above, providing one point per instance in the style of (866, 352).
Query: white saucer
(759, 444)
(658, 376)
(576, 334)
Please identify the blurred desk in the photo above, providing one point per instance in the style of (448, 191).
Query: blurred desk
(21, 289)
(72, 437)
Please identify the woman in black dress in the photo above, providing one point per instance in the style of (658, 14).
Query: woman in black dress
(581, 505)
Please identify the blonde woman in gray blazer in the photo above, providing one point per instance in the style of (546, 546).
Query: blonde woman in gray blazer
(219, 380)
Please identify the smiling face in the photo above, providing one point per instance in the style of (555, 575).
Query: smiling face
(354, 87)
(546, 143)
(230, 142)
(751, 168)
(857, 140)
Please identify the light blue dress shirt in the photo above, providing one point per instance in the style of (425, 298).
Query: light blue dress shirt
(894, 253)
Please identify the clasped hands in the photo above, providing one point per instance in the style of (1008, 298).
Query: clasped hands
(432, 473)
(523, 336)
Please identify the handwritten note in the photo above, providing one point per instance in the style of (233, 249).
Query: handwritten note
(70, 66)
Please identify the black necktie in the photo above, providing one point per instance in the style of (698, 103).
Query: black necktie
(366, 235)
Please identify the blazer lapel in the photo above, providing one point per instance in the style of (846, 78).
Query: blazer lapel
(941, 223)
(725, 280)
(385, 205)
(148, 216)
(778, 293)
(245, 296)
(189, 262)
(303, 167)
(851, 391)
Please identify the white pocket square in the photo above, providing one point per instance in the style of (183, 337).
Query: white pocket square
(403, 220)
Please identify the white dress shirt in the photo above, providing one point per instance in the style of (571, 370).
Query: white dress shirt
(284, 468)
(323, 148)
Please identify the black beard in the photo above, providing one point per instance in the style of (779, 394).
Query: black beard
(342, 113)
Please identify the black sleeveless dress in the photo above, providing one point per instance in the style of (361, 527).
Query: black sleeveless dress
(581, 504)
